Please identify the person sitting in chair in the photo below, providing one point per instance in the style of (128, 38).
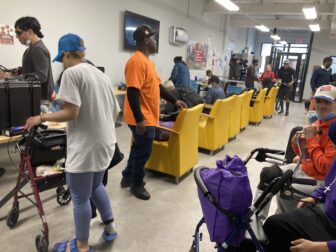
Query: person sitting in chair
(319, 151)
(311, 227)
(215, 91)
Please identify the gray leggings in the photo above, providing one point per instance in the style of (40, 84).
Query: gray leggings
(84, 186)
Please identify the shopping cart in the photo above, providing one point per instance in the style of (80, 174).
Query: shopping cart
(39, 147)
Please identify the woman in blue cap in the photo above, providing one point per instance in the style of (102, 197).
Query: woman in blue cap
(90, 108)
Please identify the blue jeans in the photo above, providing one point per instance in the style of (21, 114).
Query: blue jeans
(140, 151)
(84, 186)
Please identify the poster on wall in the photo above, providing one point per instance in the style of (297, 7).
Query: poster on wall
(197, 54)
(6, 34)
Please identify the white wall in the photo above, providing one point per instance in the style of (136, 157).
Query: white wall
(322, 47)
(100, 24)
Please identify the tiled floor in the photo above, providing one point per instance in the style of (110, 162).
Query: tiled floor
(164, 223)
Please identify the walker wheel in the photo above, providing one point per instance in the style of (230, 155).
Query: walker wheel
(41, 243)
(13, 215)
(63, 197)
(59, 189)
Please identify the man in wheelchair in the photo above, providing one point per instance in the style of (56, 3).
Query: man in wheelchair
(311, 227)
(318, 152)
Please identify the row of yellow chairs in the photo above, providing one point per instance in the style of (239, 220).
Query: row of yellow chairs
(192, 130)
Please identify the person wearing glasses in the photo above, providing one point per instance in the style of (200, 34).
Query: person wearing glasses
(36, 58)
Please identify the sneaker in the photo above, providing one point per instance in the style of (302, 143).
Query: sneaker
(140, 192)
(108, 237)
(125, 182)
(286, 114)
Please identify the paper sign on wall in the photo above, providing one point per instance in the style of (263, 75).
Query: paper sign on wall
(6, 34)
(197, 53)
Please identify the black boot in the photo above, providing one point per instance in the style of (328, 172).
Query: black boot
(125, 182)
(140, 192)
(281, 107)
(287, 108)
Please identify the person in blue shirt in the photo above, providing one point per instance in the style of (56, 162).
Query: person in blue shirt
(215, 92)
(322, 75)
(180, 75)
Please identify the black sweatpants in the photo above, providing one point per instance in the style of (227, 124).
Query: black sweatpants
(309, 223)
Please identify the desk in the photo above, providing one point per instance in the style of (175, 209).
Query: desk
(201, 85)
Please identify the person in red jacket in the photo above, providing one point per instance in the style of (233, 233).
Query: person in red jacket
(268, 73)
(318, 151)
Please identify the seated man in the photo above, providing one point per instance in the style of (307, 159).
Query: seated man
(311, 227)
(215, 91)
(318, 151)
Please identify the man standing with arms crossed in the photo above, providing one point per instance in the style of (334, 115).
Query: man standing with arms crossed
(142, 108)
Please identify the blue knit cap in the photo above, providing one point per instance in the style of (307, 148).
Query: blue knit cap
(332, 132)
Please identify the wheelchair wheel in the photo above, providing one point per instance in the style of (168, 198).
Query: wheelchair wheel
(13, 215)
(63, 197)
(41, 243)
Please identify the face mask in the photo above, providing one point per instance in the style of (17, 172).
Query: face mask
(312, 117)
(28, 42)
(333, 114)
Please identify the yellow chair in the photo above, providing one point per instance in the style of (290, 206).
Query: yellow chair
(257, 110)
(179, 154)
(245, 114)
(234, 127)
(213, 131)
(268, 111)
(273, 100)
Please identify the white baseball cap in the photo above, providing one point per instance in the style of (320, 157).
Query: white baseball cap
(327, 92)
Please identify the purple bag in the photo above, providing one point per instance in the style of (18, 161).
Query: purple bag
(230, 186)
(163, 135)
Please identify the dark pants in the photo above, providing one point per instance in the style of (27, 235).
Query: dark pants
(309, 223)
(249, 85)
(140, 151)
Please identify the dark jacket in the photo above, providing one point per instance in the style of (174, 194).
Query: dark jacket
(180, 75)
(234, 73)
(320, 77)
(286, 75)
(250, 76)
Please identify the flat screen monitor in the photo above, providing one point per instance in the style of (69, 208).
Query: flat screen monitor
(131, 22)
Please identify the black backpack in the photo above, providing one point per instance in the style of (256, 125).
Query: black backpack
(189, 96)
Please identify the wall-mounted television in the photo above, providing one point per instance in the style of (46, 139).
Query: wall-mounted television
(131, 22)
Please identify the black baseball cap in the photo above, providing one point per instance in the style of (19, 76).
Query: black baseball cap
(142, 32)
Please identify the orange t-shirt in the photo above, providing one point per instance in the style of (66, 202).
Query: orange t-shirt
(140, 73)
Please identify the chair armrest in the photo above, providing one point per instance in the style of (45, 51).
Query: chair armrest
(209, 106)
(168, 129)
(208, 116)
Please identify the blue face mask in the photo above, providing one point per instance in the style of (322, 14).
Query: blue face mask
(333, 114)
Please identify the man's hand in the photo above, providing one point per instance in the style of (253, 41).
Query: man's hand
(305, 201)
(310, 131)
(180, 104)
(298, 134)
(303, 245)
(32, 122)
(140, 128)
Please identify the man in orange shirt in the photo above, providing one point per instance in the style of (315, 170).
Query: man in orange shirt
(142, 108)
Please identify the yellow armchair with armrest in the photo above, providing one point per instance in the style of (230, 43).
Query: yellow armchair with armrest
(268, 112)
(213, 131)
(257, 110)
(245, 114)
(179, 154)
(235, 114)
